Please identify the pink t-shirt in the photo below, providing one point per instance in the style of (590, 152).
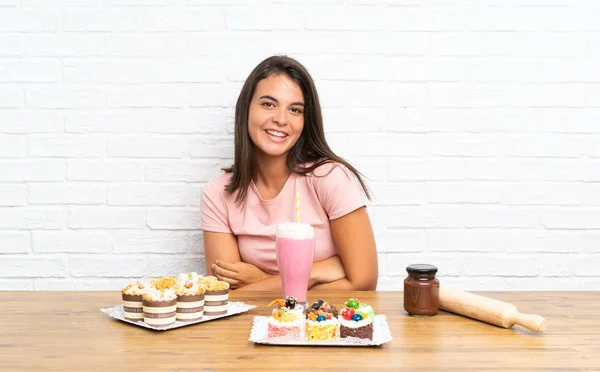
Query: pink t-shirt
(330, 192)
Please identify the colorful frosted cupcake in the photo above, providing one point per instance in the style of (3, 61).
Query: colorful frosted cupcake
(132, 301)
(160, 307)
(216, 297)
(164, 282)
(190, 300)
(321, 321)
(286, 319)
(356, 320)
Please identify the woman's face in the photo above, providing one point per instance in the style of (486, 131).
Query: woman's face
(276, 115)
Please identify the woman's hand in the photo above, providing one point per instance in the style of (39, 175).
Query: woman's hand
(238, 274)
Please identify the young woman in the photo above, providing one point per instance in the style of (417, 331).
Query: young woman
(280, 146)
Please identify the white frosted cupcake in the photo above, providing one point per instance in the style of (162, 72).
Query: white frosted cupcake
(190, 301)
(159, 307)
(216, 300)
(132, 301)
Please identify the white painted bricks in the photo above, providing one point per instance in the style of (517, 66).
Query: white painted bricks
(477, 124)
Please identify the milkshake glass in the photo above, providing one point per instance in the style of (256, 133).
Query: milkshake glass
(295, 249)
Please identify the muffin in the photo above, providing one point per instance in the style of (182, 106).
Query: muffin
(160, 307)
(216, 300)
(190, 301)
(132, 301)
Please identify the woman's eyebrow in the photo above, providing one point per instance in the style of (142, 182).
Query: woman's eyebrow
(274, 99)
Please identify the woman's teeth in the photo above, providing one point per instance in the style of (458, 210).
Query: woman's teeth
(276, 134)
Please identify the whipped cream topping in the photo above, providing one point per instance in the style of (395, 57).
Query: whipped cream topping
(286, 315)
(136, 289)
(188, 288)
(354, 324)
(153, 294)
(295, 230)
(184, 277)
(367, 309)
(215, 285)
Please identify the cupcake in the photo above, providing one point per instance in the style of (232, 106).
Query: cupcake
(321, 321)
(356, 320)
(132, 301)
(190, 301)
(216, 300)
(164, 282)
(159, 307)
(286, 319)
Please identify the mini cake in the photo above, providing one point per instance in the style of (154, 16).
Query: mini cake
(286, 319)
(216, 297)
(164, 282)
(190, 301)
(321, 321)
(132, 301)
(159, 307)
(356, 320)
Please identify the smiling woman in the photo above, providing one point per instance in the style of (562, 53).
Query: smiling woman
(280, 148)
(275, 124)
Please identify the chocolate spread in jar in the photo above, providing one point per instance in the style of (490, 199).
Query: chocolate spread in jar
(421, 290)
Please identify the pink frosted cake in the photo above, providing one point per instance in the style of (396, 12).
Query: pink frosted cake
(286, 319)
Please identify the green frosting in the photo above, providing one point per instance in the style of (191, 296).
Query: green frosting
(368, 309)
(352, 303)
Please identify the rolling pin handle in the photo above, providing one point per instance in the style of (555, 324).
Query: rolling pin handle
(534, 323)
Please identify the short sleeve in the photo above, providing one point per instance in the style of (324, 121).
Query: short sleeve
(213, 210)
(337, 189)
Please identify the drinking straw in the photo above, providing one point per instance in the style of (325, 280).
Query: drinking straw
(297, 205)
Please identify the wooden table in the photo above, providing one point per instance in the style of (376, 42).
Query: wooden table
(63, 331)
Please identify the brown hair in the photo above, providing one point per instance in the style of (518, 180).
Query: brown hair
(311, 148)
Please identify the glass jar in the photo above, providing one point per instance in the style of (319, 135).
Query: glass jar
(421, 290)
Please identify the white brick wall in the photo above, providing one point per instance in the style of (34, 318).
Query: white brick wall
(476, 122)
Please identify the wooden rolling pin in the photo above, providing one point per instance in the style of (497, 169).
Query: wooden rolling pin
(488, 310)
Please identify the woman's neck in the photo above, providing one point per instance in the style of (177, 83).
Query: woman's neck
(271, 173)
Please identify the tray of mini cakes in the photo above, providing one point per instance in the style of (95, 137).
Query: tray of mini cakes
(172, 302)
(320, 324)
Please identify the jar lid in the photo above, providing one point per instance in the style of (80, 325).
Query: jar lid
(421, 269)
